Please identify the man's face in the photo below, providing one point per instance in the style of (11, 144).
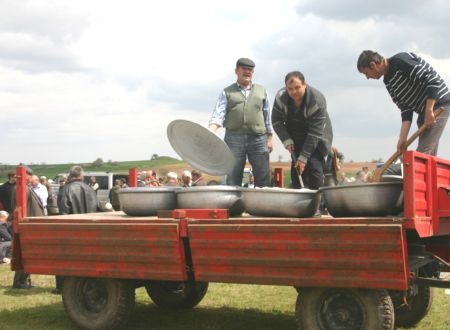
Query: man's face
(296, 89)
(373, 71)
(34, 181)
(12, 179)
(244, 75)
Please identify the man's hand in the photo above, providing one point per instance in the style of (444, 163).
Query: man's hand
(429, 118)
(269, 142)
(300, 166)
(401, 145)
(213, 127)
(429, 114)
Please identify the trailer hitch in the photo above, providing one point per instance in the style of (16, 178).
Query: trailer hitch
(434, 282)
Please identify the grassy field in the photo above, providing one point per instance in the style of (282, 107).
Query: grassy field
(226, 306)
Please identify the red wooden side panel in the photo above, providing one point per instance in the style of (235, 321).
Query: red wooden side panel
(322, 255)
(442, 196)
(427, 202)
(119, 249)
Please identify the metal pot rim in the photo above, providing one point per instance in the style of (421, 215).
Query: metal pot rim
(356, 186)
(148, 190)
(279, 191)
(219, 188)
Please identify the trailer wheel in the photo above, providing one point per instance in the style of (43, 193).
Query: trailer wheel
(171, 294)
(96, 303)
(327, 308)
(407, 316)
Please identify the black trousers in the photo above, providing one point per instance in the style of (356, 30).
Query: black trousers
(312, 175)
(21, 279)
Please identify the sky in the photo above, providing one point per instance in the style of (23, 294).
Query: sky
(86, 79)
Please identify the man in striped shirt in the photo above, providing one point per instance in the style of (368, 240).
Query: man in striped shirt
(414, 86)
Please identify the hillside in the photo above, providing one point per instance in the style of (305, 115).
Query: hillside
(162, 165)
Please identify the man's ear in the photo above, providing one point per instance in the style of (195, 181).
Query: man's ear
(372, 65)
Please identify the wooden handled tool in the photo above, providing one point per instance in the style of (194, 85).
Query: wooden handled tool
(380, 171)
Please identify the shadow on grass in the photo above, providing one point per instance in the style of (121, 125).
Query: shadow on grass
(149, 316)
(223, 318)
(9, 291)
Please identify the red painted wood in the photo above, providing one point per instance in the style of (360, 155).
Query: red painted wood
(352, 255)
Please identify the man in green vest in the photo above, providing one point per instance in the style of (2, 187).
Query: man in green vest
(243, 109)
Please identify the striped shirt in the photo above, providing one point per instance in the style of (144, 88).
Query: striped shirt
(411, 81)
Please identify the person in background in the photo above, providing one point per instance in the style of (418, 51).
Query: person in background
(123, 183)
(62, 183)
(77, 197)
(6, 191)
(46, 183)
(93, 183)
(251, 181)
(414, 86)
(5, 238)
(301, 121)
(172, 179)
(186, 178)
(243, 109)
(40, 190)
(114, 195)
(197, 178)
(141, 179)
(22, 280)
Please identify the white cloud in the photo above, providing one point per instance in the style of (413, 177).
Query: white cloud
(92, 78)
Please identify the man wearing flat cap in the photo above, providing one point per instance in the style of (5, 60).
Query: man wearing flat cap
(243, 109)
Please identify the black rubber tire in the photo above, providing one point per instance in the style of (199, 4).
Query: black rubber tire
(329, 309)
(97, 303)
(176, 295)
(419, 306)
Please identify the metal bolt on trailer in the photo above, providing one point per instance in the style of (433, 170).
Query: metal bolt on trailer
(351, 273)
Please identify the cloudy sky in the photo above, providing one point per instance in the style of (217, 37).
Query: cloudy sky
(91, 78)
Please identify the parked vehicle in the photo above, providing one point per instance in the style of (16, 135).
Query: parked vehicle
(351, 273)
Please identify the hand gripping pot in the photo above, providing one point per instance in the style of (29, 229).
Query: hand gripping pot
(200, 147)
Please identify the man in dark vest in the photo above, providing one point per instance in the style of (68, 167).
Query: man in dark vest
(301, 121)
(243, 109)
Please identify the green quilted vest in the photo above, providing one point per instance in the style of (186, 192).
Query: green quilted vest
(243, 115)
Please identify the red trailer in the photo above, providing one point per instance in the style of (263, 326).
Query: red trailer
(351, 273)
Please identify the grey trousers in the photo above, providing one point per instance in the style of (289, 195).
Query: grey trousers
(429, 140)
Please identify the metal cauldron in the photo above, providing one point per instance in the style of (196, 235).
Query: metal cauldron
(279, 202)
(145, 201)
(211, 197)
(364, 200)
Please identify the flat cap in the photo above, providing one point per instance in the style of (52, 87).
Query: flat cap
(243, 61)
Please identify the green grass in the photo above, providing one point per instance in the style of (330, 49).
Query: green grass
(226, 306)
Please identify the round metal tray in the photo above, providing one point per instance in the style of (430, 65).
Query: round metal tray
(200, 147)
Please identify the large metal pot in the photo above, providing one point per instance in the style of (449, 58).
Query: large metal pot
(364, 200)
(279, 202)
(211, 197)
(145, 201)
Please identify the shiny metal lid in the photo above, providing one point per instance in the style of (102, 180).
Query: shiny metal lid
(200, 147)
